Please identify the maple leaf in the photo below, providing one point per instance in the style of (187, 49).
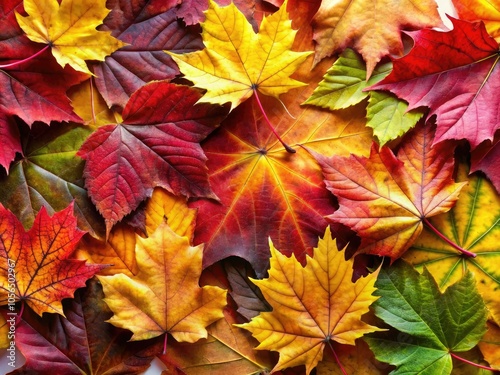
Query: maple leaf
(148, 28)
(70, 30)
(237, 62)
(473, 224)
(164, 296)
(373, 30)
(385, 198)
(227, 349)
(480, 10)
(273, 193)
(82, 343)
(44, 273)
(485, 158)
(50, 175)
(436, 325)
(455, 74)
(9, 137)
(119, 249)
(490, 345)
(343, 85)
(124, 162)
(312, 305)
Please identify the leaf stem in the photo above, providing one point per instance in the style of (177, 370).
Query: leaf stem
(26, 59)
(471, 363)
(288, 148)
(449, 242)
(20, 315)
(165, 344)
(337, 358)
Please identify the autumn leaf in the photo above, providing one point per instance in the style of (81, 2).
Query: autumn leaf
(124, 162)
(490, 345)
(385, 198)
(9, 137)
(434, 325)
(50, 175)
(119, 249)
(227, 349)
(371, 29)
(164, 296)
(273, 193)
(69, 29)
(148, 28)
(473, 224)
(485, 158)
(82, 343)
(312, 305)
(343, 85)
(236, 61)
(482, 10)
(455, 74)
(45, 274)
(90, 106)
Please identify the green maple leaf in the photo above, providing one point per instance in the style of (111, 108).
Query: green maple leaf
(432, 324)
(344, 85)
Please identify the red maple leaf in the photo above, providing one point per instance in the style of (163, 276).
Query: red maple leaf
(44, 273)
(149, 28)
(124, 162)
(456, 75)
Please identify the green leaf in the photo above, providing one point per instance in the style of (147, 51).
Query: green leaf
(50, 175)
(432, 324)
(343, 84)
(388, 117)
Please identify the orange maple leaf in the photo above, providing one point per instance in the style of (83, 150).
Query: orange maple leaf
(311, 305)
(35, 265)
(385, 198)
(371, 29)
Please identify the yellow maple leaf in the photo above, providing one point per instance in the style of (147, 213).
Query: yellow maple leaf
(311, 305)
(70, 30)
(164, 295)
(237, 61)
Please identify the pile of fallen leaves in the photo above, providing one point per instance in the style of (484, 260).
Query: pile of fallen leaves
(250, 187)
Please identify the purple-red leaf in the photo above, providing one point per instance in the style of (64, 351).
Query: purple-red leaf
(156, 145)
(149, 28)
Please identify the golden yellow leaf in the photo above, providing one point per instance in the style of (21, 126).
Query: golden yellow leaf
(237, 61)
(180, 218)
(70, 30)
(88, 103)
(311, 305)
(119, 249)
(164, 296)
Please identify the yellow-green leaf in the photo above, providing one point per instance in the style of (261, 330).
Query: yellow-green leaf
(70, 29)
(311, 305)
(236, 60)
(473, 224)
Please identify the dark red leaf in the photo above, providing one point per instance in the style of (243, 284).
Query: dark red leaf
(156, 145)
(82, 343)
(486, 158)
(9, 139)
